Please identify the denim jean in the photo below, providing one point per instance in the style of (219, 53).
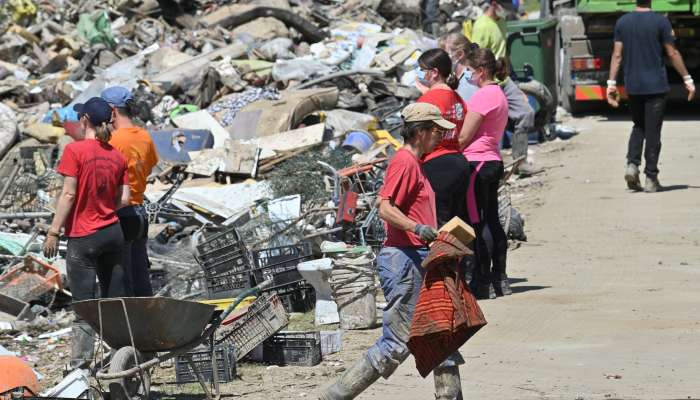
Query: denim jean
(648, 117)
(401, 276)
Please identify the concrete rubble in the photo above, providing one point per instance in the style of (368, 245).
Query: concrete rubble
(254, 109)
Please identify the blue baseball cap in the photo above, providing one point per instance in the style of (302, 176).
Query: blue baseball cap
(97, 110)
(117, 96)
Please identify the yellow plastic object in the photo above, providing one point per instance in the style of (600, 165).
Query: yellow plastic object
(222, 304)
(467, 29)
(383, 136)
(22, 10)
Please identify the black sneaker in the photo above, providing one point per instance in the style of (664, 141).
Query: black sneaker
(485, 292)
(502, 287)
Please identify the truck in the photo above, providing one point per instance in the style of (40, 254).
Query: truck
(584, 40)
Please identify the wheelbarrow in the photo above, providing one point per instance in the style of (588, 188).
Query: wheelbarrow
(145, 331)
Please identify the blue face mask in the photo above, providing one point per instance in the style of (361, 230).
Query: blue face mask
(420, 75)
(469, 76)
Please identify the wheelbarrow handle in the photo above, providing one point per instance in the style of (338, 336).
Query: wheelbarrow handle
(250, 292)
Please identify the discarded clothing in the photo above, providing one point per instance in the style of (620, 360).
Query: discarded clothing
(446, 314)
(234, 104)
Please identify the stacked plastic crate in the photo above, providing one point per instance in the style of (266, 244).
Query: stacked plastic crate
(280, 264)
(224, 260)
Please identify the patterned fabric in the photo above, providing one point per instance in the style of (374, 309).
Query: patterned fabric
(446, 314)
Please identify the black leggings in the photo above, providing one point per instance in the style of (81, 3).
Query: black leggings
(96, 255)
(491, 240)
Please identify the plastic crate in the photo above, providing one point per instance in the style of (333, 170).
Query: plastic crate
(222, 253)
(280, 263)
(293, 348)
(227, 284)
(301, 300)
(265, 317)
(201, 357)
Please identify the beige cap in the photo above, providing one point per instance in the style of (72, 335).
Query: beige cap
(418, 112)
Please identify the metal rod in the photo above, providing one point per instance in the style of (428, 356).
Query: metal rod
(10, 181)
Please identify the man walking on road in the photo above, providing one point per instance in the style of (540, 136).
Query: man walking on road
(489, 32)
(642, 36)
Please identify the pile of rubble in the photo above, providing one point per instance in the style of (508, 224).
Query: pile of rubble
(273, 121)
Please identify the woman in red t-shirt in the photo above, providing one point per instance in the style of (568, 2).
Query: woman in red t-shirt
(446, 168)
(96, 184)
(407, 205)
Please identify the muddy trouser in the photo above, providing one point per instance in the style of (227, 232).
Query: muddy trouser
(401, 276)
(648, 117)
(134, 223)
(491, 240)
(430, 11)
(522, 115)
(98, 255)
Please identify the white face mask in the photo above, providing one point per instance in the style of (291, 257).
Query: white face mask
(501, 12)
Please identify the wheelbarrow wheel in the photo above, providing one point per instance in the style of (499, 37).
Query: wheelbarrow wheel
(132, 387)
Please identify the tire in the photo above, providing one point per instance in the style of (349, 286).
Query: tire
(133, 387)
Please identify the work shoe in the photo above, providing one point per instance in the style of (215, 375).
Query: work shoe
(652, 185)
(485, 291)
(632, 177)
(527, 168)
(353, 381)
(502, 286)
(448, 386)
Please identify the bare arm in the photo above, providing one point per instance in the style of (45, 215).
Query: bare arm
(471, 124)
(64, 204)
(124, 195)
(615, 61)
(393, 216)
(676, 59)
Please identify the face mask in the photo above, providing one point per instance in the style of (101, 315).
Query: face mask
(501, 13)
(472, 79)
(420, 76)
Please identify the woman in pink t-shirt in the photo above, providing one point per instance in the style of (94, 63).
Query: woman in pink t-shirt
(480, 140)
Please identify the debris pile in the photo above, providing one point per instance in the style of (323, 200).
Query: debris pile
(273, 122)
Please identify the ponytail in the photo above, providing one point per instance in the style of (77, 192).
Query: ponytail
(501, 72)
(102, 133)
(452, 81)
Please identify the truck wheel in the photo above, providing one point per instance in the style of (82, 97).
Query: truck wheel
(133, 387)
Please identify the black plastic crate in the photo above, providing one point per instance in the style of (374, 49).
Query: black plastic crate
(300, 300)
(201, 357)
(230, 283)
(265, 317)
(293, 348)
(222, 253)
(280, 263)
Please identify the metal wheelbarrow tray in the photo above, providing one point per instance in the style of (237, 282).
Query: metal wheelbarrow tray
(158, 324)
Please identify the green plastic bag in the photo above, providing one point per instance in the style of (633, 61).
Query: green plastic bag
(96, 28)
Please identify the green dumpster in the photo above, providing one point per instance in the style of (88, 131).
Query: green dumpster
(533, 42)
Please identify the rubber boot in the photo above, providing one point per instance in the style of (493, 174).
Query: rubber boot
(353, 381)
(632, 177)
(82, 345)
(448, 386)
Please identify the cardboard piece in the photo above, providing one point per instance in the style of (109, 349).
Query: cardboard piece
(459, 229)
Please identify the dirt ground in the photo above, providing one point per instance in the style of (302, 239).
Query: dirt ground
(606, 290)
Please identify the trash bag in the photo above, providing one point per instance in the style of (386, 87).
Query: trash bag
(516, 226)
(299, 69)
(278, 48)
(96, 28)
(8, 128)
